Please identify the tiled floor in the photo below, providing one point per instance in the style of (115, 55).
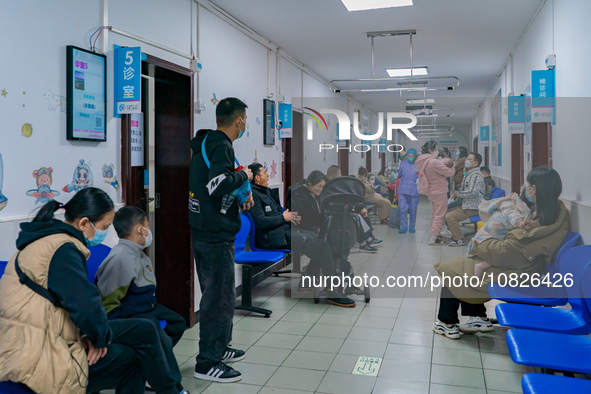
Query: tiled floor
(307, 347)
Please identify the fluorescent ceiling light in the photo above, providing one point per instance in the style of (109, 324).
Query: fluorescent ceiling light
(406, 72)
(420, 101)
(361, 5)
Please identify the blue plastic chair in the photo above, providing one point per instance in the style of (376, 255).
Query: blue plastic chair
(252, 237)
(2, 267)
(13, 388)
(543, 295)
(538, 383)
(552, 350)
(247, 259)
(576, 321)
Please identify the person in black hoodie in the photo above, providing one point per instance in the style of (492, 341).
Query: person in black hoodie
(215, 221)
(121, 354)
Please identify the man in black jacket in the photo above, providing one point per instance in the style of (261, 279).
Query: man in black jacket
(273, 231)
(213, 184)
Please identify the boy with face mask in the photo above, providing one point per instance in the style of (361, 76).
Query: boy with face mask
(127, 282)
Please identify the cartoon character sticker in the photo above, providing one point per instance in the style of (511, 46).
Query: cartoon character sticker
(3, 199)
(273, 169)
(43, 179)
(109, 175)
(82, 178)
(55, 102)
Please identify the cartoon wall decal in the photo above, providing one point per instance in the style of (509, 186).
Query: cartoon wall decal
(4, 92)
(324, 155)
(55, 101)
(277, 147)
(273, 169)
(27, 130)
(82, 178)
(3, 199)
(256, 159)
(258, 120)
(214, 100)
(109, 175)
(43, 179)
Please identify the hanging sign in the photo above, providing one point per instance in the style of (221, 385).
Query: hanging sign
(516, 115)
(128, 79)
(484, 135)
(543, 96)
(137, 140)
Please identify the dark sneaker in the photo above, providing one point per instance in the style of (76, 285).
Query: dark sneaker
(220, 372)
(233, 355)
(366, 248)
(339, 299)
(451, 331)
(460, 242)
(476, 324)
(375, 242)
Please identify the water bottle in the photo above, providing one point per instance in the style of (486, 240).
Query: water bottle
(227, 202)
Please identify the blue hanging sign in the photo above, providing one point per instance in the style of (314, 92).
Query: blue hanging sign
(543, 96)
(383, 145)
(516, 115)
(484, 134)
(128, 80)
(285, 115)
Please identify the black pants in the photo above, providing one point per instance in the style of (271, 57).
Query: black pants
(449, 305)
(318, 250)
(169, 337)
(134, 355)
(214, 262)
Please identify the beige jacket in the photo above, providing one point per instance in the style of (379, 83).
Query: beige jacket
(39, 344)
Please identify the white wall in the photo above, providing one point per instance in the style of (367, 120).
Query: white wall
(570, 141)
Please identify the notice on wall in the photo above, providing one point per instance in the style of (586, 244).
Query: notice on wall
(137, 140)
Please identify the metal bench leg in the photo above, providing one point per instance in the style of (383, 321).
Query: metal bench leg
(247, 293)
(296, 263)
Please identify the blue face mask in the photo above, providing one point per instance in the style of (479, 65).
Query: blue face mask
(528, 197)
(99, 237)
(411, 159)
(241, 133)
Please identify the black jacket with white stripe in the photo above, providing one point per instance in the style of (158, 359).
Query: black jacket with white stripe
(209, 185)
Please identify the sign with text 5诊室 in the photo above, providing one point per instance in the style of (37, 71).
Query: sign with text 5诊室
(543, 93)
(516, 114)
(128, 80)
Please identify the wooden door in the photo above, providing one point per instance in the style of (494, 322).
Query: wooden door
(517, 162)
(344, 159)
(486, 156)
(368, 160)
(541, 145)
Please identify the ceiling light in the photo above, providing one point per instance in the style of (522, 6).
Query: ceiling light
(361, 5)
(406, 72)
(420, 101)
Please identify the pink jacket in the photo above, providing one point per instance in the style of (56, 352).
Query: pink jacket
(436, 173)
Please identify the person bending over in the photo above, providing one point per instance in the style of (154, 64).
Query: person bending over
(127, 282)
(274, 230)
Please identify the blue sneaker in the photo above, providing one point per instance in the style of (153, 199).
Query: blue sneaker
(402, 230)
(412, 230)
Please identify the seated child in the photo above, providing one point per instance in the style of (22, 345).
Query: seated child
(127, 283)
(500, 216)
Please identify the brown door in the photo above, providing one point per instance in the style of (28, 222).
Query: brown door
(486, 156)
(475, 145)
(168, 156)
(541, 145)
(368, 161)
(383, 160)
(517, 162)
(344, 159)
(294, 158)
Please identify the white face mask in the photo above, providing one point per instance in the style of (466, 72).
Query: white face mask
(467, 163)
(148, 238)
(435, 152)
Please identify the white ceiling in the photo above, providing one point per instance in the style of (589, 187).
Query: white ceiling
(470, 39)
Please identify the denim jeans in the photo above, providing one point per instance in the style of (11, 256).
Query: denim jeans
(214, 262)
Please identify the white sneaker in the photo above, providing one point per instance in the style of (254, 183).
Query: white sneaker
(476, 324)
(445, 233)
(437, 240)
(450, 331)
(433, 240)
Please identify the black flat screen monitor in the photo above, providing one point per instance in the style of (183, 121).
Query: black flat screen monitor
(86, 95)
(268, 124)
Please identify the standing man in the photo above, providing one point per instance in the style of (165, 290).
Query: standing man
(212, 182)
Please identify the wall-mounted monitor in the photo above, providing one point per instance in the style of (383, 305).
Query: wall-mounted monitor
(86, 95)
(269, 122)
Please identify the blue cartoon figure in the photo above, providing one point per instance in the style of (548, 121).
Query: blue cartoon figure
(43, 193)
(109, 175)
(82, 178)
(3, 199)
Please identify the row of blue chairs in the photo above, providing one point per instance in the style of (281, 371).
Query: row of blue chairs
(550, 338)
